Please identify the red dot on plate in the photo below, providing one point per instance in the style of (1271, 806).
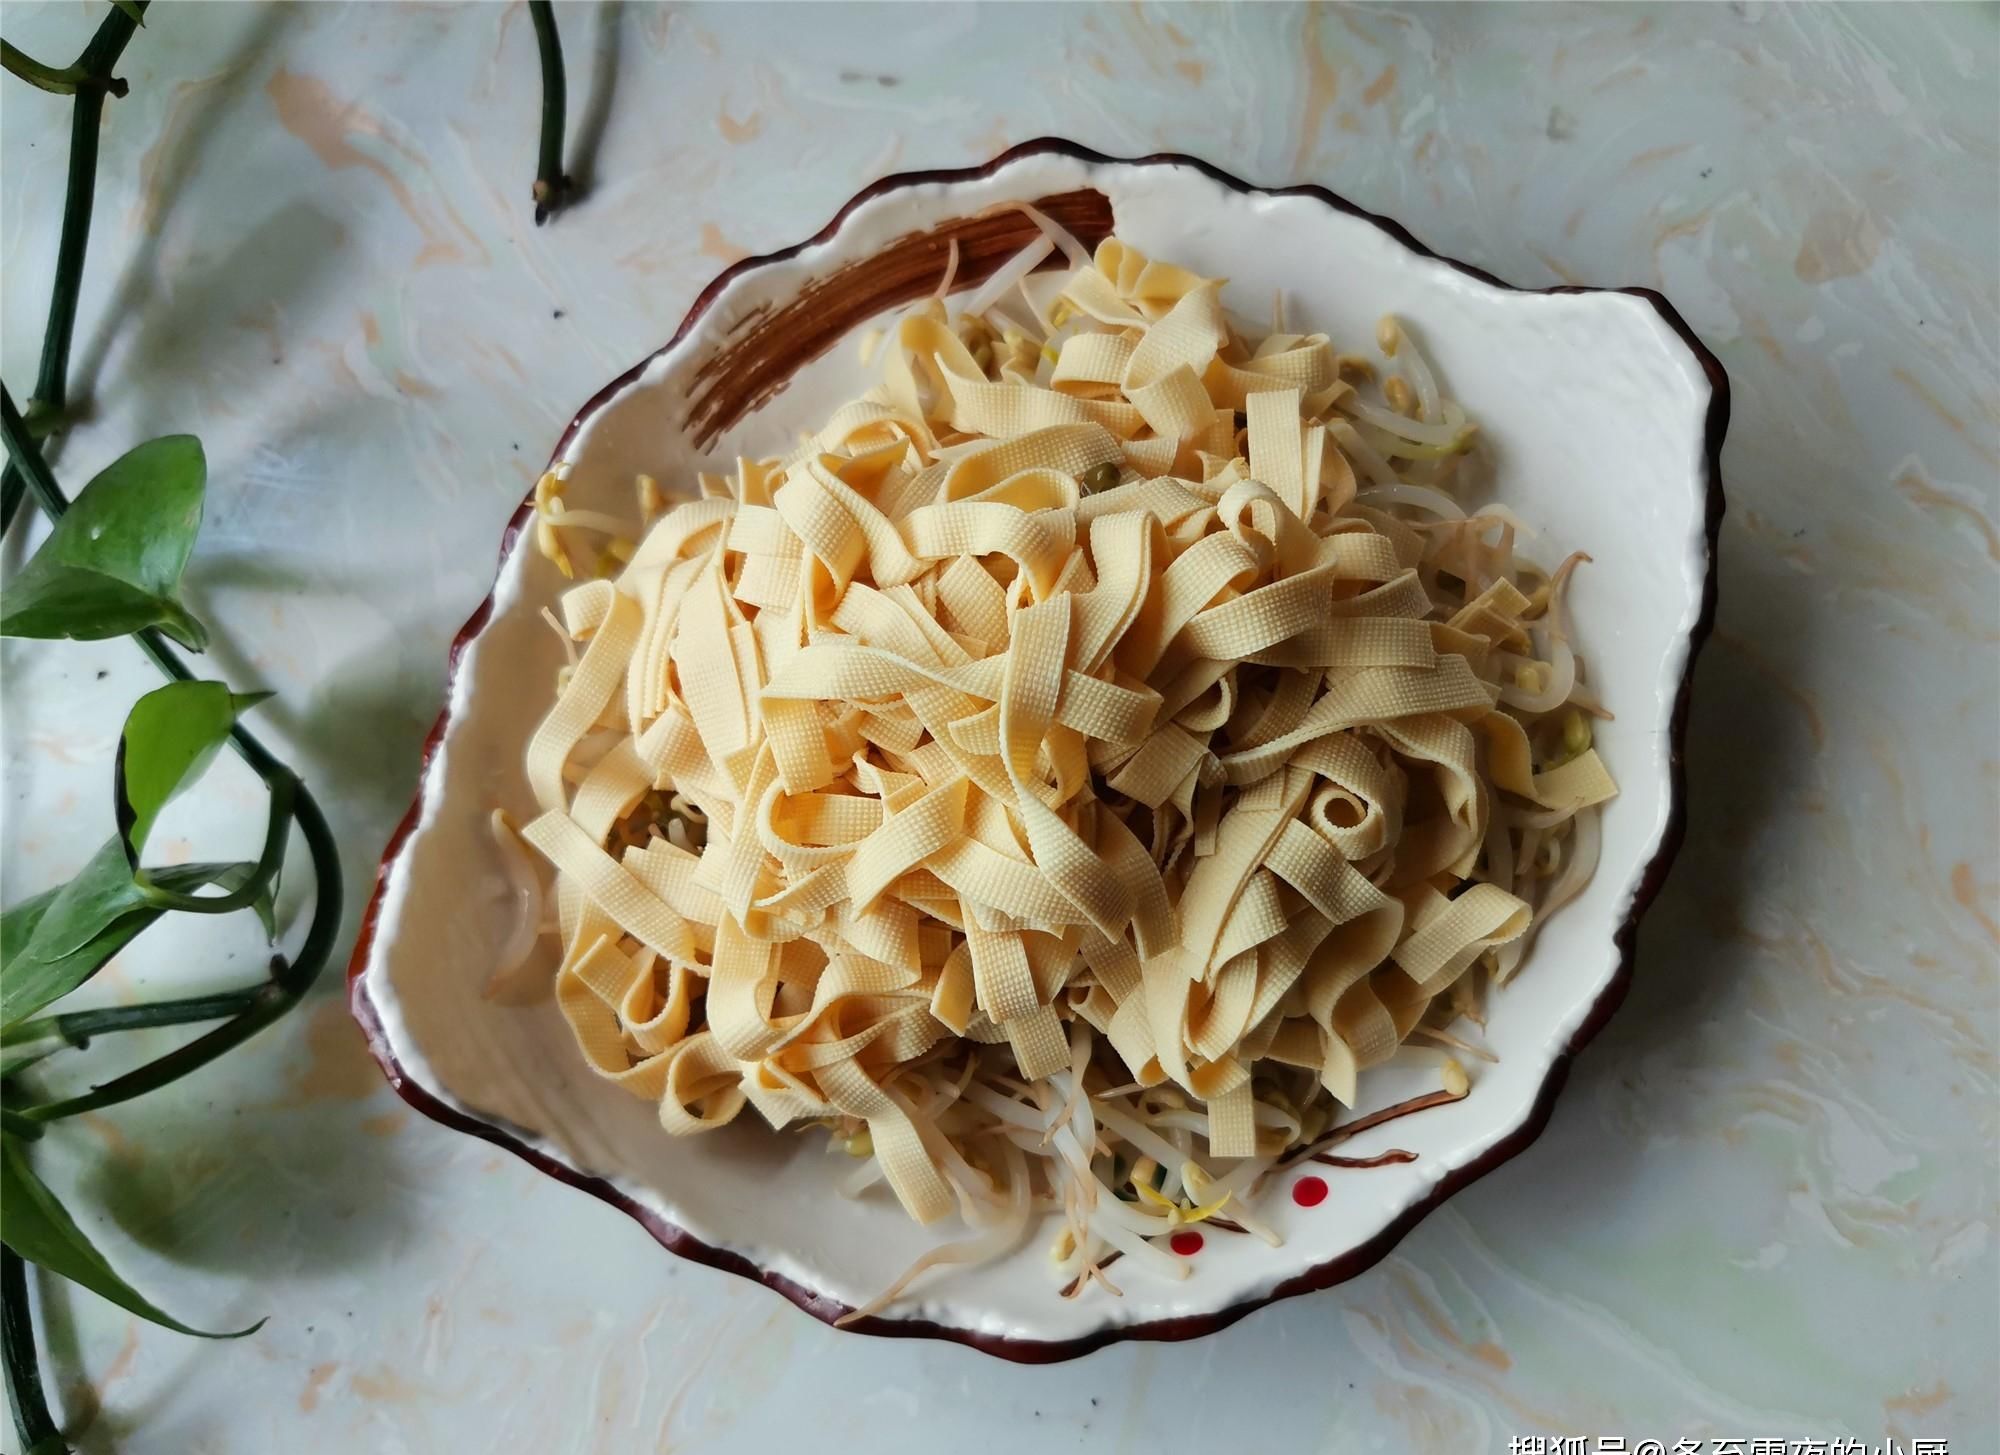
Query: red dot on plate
(1186, 1244)
(1309, 1191)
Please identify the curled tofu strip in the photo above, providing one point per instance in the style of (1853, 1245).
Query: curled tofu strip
(1053, 778)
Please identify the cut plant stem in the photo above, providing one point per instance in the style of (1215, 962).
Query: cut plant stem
(552, 184)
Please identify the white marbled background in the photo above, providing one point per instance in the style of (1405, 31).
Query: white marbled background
(1767, 1203)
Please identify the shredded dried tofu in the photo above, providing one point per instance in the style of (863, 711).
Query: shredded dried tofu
(1062, 847)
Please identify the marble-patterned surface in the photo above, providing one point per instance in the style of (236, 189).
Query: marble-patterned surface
(1766, 1205)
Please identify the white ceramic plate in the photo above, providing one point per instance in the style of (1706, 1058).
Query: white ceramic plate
(1603, 418)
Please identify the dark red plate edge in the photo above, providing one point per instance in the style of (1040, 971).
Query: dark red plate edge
(1339, 1269)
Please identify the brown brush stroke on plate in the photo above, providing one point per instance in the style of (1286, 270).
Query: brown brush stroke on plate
(1338, 1269)
(771, 345)
(1382, 1159)
(1374, 1119)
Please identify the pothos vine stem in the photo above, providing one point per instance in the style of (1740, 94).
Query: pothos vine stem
(86, 120)
(32, 1421)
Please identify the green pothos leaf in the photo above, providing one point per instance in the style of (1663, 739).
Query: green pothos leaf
(37, 1226)
(112, 565)
(171, 736)
(54, 942)
(102, 892)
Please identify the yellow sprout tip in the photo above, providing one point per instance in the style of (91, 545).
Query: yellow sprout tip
(1201, 1214)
